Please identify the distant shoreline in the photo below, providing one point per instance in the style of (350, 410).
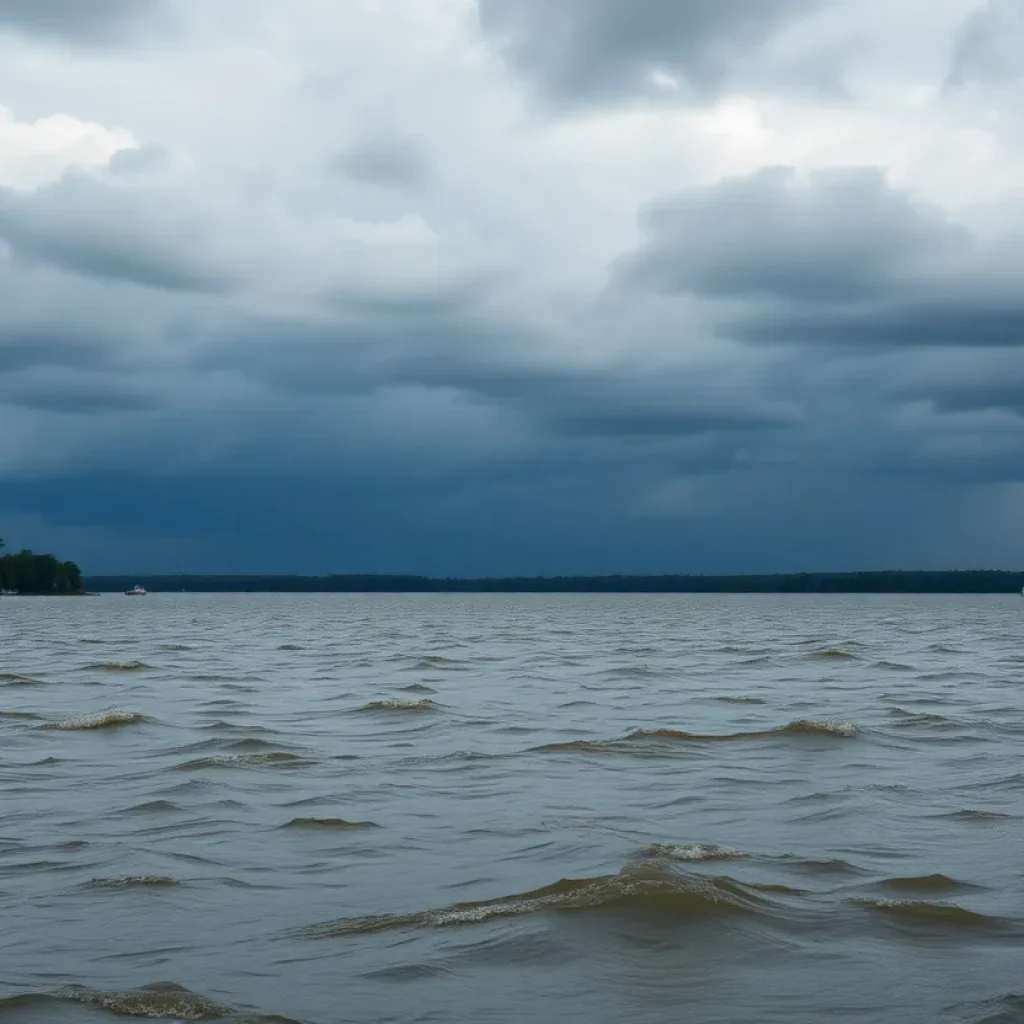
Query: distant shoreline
(892, 582)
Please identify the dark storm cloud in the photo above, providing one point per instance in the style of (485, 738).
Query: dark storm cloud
(940, 322)
(24, 348)
(843, 235)
(75, 20)
(77, 395)
(957, 381)
(840, 260)
(498, 366)
(587, 50)
(990, 45)
(83, 225)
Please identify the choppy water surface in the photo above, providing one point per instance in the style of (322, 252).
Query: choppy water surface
(541, 808)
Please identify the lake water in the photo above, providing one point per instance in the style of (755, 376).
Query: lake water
(438, 808)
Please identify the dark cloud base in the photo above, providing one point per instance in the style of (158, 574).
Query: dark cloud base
(466, 527)
(81, 21)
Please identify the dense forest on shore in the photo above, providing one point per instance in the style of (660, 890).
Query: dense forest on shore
(959, 582)
(29, 573)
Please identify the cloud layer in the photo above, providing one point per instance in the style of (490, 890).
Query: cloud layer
(509, 287)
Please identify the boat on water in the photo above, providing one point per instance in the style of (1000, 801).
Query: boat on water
(136, 591)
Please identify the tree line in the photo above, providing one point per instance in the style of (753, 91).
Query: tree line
(28, 573)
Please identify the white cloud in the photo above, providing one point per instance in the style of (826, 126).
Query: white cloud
(41, 152)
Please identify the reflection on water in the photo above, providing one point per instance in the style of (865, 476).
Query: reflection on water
(463, 808)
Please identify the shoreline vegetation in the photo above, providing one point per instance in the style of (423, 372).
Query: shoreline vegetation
(886, 582)
(27, 574)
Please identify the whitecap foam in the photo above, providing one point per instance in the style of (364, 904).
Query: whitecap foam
(101, 720)
(693, 851)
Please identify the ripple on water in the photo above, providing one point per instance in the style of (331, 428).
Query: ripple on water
(16, 679)
(118, 666)
(122, 882)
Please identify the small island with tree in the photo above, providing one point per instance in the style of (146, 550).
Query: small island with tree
(29, 574)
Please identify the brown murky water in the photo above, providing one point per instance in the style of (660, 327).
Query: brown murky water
(506, 808)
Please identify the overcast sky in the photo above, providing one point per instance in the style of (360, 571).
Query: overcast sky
(512, 286)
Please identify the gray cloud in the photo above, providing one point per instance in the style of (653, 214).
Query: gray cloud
(957, 380)
(969, 322)
(23, 348)
(382, 160)
(840, 260)
(990, 45)
(78, 20)
(81, 394)
(86, 226)
(843, 235)
(584, 50)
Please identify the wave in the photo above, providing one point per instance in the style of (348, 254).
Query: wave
(247, 729)
(693, 852)
(418, 688)
(433, 663)
(925, 883)
(834, 654)
(740, 700)
(154, 807)
(935, 915)
(908, 718)
(218, 745)
(269, 759)
(980, 817)
(629, 673)
(15, 679)
(798, 727)
(801, 727)
(101, 720)
(1006, 1010)
(399, 706)
(154, 1002)
(118, 666)
(20, 716)
(328, 823)
(290, 647)
(132, 882)
(650, 887)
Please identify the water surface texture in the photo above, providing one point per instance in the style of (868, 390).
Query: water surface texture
(597, 808)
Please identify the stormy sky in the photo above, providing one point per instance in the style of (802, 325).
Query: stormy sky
(512, 286)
